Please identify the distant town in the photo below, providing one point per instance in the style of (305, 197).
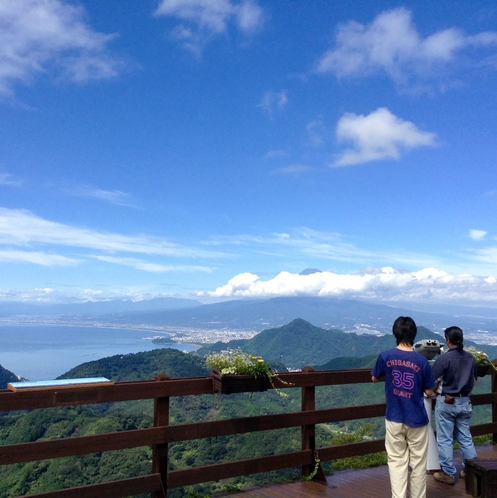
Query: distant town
(161, 334)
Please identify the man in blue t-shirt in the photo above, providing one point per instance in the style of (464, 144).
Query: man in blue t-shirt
(408, 377)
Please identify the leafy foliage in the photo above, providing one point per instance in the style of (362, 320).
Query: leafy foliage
(480, 357)
(365, 432)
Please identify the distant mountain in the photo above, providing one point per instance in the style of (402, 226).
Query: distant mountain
(6, 376)
(99, 307)
(344, 314)
(310, 271)
(258, 314)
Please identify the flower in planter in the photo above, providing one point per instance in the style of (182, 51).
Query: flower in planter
(480, 357)
(236, 362)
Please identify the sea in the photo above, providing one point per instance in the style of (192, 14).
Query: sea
(45, 351)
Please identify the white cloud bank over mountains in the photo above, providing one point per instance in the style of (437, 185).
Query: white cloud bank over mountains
(384, 284)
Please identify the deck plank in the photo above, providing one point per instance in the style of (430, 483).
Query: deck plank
(372, 482)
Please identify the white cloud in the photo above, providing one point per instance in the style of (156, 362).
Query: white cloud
(8, 179)
(139, 264)
(277, 153)
(36, 258)
(113, 196)
(312, 246)
(38, 36)
(292, 169)
(316, 133)
(384, 283)
(22, 228)
(391, 43)
(379, 135)
(477, 234)
(272, 101)
(485, 255)
(208, 18)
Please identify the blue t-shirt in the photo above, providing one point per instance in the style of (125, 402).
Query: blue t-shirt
(407, 375)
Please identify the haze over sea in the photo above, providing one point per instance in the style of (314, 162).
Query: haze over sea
(43, 352)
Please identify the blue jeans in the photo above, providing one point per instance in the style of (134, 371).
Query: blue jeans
(453, 421)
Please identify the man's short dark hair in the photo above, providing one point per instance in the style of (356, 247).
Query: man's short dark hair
(404, 330)
(455, 336)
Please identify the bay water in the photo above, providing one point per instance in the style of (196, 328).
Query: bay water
(45, 351)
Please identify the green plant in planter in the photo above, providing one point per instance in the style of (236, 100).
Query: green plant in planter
(480, 357)
(237, 362)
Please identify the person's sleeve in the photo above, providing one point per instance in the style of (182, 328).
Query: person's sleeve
(378, 369)
(429, 378)
(437, 369)
(475, 373)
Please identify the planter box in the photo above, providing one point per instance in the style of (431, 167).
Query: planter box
(482, 370)
(228, 384)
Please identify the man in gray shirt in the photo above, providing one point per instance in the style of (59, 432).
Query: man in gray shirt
(456, 370)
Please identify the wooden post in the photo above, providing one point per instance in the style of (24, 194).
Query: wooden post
(309, 431)
(160, 451)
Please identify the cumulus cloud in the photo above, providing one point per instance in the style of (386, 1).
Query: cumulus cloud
(201, 20)
(383, 283)
(44, 36)
(477, 234)
(23, 228)
(379, 135)
(392, 44)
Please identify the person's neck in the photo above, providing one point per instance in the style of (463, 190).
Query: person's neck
(404, 347)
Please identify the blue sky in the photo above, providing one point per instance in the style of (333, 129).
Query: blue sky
(217, 148)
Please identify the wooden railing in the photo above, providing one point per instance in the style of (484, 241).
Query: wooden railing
(162, 389)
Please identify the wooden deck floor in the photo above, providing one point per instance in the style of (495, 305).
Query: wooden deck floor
(362, 483)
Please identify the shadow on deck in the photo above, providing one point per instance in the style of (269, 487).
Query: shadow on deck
(360, 483)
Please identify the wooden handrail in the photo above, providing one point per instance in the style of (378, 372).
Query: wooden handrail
(162, 389)
(112, 489)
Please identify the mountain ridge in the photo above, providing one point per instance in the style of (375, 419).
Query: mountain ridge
(255, 315)
(299, 343)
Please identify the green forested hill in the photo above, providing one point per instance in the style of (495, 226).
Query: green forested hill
(348, 362)
(299, 344)
(141, 366)
(6, 376)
